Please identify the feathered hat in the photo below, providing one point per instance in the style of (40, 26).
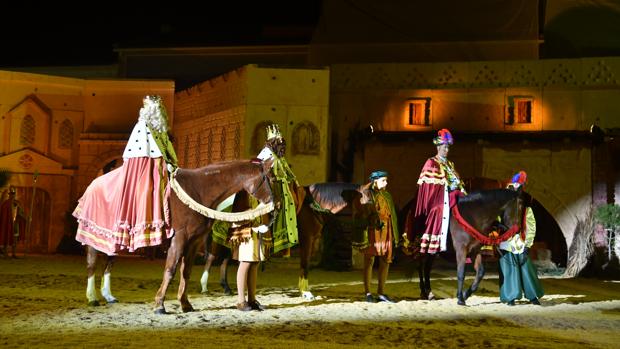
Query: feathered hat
(519, 179)
(377, 174)
(273, 131)
(443, 137)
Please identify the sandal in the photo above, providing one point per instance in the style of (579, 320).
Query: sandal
(255, 305)
(245, 306)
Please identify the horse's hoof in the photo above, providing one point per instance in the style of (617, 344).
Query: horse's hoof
(461, 302)
(94, 303)
(160, 311)
(188, 309)
(307, 295)
(112, 301)
(227, 290)
(431, 296)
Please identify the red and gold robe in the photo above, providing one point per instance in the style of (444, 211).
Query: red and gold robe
(439, 185)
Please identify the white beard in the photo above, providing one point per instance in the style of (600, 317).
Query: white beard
(151, 114)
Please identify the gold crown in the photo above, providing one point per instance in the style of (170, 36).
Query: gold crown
(273, 131)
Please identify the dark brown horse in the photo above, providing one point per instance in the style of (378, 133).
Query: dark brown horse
(481, 210)
(332, 198)
(207, 186)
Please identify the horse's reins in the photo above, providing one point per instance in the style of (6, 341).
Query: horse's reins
(273, 213)
(264, 179)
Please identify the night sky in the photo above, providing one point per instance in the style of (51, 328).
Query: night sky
(45, 35)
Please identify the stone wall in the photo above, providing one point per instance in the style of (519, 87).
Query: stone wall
(473, 100)
(224, 118)
(210, 120)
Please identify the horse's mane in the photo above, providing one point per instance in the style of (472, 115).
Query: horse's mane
(333, 196)
(222, 166)
(225, 164)
(481, 208)
(218, 174)
(499, 196)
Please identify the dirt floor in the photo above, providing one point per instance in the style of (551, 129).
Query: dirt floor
(43, 304)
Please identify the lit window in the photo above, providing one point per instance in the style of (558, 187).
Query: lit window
(524, 111)
(519, 110)
(26, 133)
(417, 111)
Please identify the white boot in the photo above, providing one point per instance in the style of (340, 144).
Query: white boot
(106, 289)
(203, 281)
(91, 294)
(304, 289)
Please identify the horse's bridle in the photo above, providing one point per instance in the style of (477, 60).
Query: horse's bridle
(263, 180)
(273, 213)
(520, 210)
(253, 193)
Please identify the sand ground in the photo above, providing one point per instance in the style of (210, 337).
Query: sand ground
(42, 304)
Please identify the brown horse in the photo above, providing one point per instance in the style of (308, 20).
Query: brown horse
(207, 186)
(480, 210)
(332, 198)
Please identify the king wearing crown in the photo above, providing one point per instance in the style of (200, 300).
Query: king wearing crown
(285, 226)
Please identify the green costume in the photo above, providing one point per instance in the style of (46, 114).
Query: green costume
(375, 214)
(219, 230)
(163, 141)
(165, 147)
(519, 275)
(284, 228)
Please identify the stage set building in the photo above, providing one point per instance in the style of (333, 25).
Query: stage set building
(508, 109)
(57, 135)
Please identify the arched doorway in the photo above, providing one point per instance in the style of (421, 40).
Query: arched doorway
(36, 236)
(549, 235)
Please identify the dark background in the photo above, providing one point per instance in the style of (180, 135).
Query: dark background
(46, 34)
(86, 33)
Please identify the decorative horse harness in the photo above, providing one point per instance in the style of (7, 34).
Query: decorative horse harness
(247, 215)
(488, 240)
